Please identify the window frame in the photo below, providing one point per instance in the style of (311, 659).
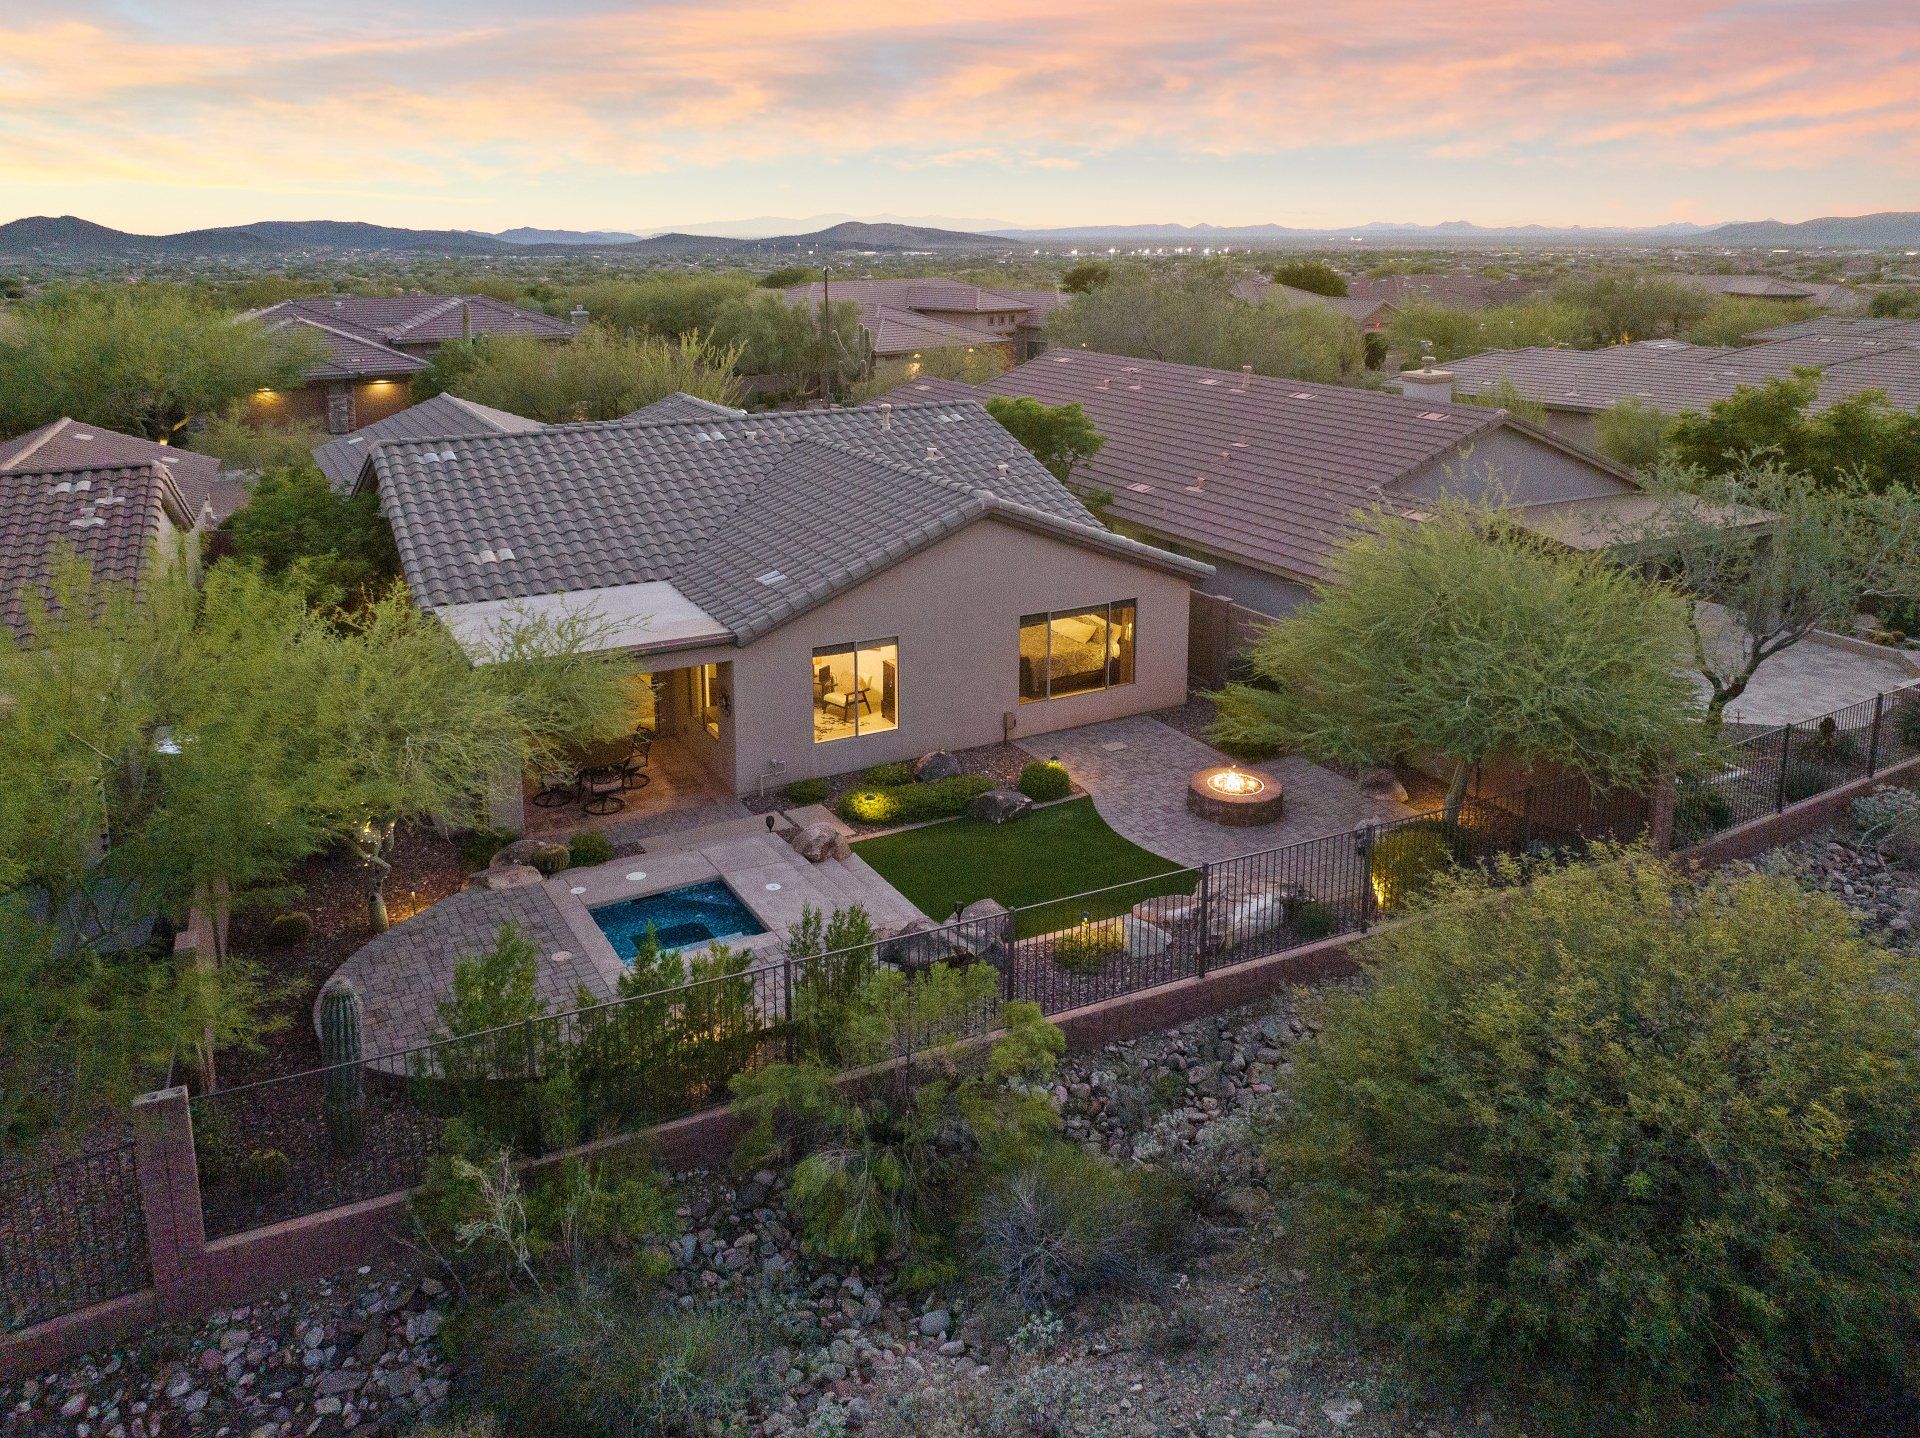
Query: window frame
(1113, 666)
(852, 651)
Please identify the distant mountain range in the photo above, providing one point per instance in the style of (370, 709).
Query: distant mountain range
(72, 240)
(67, 239)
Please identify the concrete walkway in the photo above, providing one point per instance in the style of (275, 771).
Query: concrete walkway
(1820, 674)
(1137, 770)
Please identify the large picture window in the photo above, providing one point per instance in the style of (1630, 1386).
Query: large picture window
(1075, 651)
(856, 689)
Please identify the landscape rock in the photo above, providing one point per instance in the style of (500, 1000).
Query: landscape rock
(938, 765)
(1382, 783)
(817, 843)
(542, 854)
(999, 806)
(509, 876)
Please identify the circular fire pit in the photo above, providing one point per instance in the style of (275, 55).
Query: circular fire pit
(1234, 796)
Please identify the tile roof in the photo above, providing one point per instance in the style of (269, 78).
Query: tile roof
(1905, 331)
(111, 517)
(904, 316)
(1258, 289)
(902, 332)
(1769, 287)
(1456, 290)
(1271, 471)
(1693, 377)
(712, 505)
(681, 405)
(931, 387)
(350, 356)
(403, 320)
(445, 414)
(67, 444)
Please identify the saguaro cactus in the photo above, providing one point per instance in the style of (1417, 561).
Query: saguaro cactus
(346, 1096)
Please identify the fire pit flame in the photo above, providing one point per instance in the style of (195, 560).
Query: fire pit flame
(1232, 781)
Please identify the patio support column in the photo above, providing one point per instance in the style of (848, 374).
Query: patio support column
(169, 1177)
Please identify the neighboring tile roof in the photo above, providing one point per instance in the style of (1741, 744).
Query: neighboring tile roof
(1770, 287)
(1275, 473)
(350, 356)
(711, 504)
(681, 405)
(111, 517)
(1258, 289)
(403, 320)
(918, 391)
(67, 444)
(1687, 377)
(445, 414)
(1903, 331)
(904, 316)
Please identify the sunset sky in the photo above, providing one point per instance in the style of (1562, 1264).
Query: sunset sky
(152, 115)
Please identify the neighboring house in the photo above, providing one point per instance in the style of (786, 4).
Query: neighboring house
(1370, 314)
(1770, 287)
(445, 414)
(1262, 477)
(118, 510)
(1674, 376)
(376, 344)
(812, 592)
(1844, 327)
(66, 444)
(903, 319)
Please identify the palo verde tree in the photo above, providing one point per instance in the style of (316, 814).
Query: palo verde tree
(142, 359)
(1764, 557)
(596, 376)
(816, 348)
(1316, 277)
(407, 727)
(1642, 1148)
(1465, 637)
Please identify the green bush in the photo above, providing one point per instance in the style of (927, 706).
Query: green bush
(1804, 779)
(1906, 724)
(587, 848)
(1407, 860)
(289, 931)
(478, 846)
(1699, 812)
(808, 791)
(264, 1172)
(889, 775)
(913, 803)
(1310, 919)
(600, 1356)
(1889, 819)
(1045, 780)
(1646, 1150)
(1829, 745)
(1089, 946)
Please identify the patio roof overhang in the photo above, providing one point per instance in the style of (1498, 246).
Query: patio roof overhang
(623, 616)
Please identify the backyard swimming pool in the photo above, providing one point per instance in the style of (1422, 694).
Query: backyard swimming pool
(691, 916)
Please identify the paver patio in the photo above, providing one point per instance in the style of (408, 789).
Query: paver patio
(405, 973)
(1137, 769)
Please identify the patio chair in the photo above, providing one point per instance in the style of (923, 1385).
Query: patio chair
(558, 787)
(633, 768)
(602, 788)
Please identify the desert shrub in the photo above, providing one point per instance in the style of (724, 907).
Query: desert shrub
(1089, 946)
(1906, 724)
(1045, 780)
(478, 846)
(470, 1425)
(1648, 1149)
(494, 988)
(1889, 819)
(263, 1172)
(1063, 1223)
(913, 803)
(1830, 745)
(808, 791)
(289, 931)
(1406, 861)
(1310, 919)
(833, 958)
(890, 774)
(1804, 778)
(600, 1355)
(587, 848)
(1699, 812)
(1054, 1401)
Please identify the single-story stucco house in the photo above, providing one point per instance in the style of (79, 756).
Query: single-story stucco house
(809, 593)
(1261, 478)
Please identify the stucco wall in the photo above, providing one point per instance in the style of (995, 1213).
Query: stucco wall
(955, 610)
(1506, 462)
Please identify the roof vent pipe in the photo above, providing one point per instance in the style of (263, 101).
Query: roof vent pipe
(1246, 377)
(886, 415)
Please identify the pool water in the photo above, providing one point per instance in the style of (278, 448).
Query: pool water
(692, 916)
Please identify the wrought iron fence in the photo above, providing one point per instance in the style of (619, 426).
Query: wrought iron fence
(72, 1234)
(284, 1147)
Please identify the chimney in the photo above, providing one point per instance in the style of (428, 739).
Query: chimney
(578, 315)
(1429, 383)
(1246, 377)
(886, 415)
(466, 320)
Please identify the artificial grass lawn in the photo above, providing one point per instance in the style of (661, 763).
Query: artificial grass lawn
(1051, 853)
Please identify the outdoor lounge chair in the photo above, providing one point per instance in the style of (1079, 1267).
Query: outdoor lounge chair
(602, 788)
